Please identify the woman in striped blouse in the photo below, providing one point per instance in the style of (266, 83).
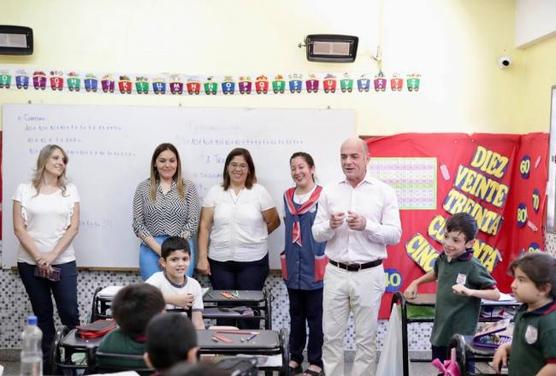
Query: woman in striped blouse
(164, 205)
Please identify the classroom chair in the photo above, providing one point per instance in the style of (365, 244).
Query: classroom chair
(101, 307)
(99, 362)
(62, 360)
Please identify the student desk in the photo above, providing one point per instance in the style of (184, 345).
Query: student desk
(265, 343)
(102, 302)
(429, 300)
(66, 344)
(219, 305)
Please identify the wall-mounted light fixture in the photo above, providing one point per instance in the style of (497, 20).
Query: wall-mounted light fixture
(16, 40)
(332, 48)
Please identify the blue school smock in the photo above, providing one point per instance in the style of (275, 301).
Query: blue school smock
(300, 261)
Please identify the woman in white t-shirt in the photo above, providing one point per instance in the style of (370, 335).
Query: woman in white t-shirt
(238, 215)
(46, 220)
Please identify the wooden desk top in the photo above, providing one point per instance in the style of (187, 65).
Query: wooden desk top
(72, 340)
(220, 296)
(264, 340)
(430, 301)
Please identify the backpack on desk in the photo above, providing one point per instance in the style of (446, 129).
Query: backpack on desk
(96, 329)
(493, 334)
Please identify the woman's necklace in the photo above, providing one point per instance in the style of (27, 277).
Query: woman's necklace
(165, 186)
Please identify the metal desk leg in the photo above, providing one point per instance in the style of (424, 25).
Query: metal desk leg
(399, 299)
(284, 347)
(268, 310)
(458, 342)
(94, 305)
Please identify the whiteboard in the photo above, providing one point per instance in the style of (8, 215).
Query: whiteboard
(110, 148)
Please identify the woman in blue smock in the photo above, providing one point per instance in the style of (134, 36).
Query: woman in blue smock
(303, 263)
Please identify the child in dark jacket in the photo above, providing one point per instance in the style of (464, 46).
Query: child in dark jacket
(132, 308)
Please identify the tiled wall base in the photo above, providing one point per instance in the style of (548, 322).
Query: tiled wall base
(14, 305)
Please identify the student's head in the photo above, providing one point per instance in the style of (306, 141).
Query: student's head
(175, 256)
(166, 165)
(354, 156)
(239, 169)
(302, 168)
(198, 369)
(171, 338)
(134, 306)
(52, 160)
(459, 234)
(534, 277)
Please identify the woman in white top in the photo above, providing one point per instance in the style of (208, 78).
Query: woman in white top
(238, 215)
(46, 220)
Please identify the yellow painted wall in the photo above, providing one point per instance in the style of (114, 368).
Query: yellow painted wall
(539, 75)
(454, 44)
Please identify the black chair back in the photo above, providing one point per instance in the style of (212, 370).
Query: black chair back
(114, 362)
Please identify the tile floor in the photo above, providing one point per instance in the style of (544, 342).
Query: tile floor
(416, 369)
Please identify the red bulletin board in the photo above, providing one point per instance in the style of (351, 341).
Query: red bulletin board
(498, 178)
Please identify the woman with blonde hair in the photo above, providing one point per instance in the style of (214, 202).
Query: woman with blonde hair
(46, 220)
(164, 205)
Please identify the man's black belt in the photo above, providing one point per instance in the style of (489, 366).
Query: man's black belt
(356, 267)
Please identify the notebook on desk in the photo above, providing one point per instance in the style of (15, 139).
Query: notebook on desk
(503, 298)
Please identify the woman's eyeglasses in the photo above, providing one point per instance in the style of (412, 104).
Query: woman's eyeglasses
(242, 166)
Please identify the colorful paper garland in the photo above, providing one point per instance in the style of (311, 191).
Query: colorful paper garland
(179, 84)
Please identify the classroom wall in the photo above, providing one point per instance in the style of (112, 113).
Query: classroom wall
(539, 75)
(534, 21)
(453, 44)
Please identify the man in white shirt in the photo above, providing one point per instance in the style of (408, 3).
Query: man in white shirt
(358, 217)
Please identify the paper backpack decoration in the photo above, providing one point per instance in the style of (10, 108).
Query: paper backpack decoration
(181, 84)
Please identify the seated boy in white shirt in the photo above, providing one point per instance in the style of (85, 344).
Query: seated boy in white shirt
(179, 291)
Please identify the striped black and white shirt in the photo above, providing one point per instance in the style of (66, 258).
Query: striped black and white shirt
(168, 214)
